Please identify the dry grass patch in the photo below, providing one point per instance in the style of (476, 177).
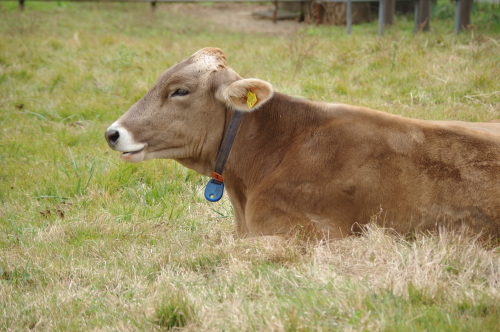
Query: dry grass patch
(377, 281)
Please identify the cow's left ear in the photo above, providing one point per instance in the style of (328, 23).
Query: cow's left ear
(246, 94)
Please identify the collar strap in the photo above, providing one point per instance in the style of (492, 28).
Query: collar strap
(215, 187)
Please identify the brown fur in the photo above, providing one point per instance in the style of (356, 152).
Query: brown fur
(321, 168)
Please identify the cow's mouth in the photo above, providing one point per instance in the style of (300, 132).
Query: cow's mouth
(133, 152)
(134, 156)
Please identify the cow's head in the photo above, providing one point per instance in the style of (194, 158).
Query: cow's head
(184, 115)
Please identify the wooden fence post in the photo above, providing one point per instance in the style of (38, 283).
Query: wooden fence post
(389, 10)
(348, 19)
(462, 14)
(381, 17)
(318, 12)
(275, 12)
(422, 15)
(21, 4)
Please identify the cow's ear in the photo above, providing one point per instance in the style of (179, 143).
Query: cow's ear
(246, 94)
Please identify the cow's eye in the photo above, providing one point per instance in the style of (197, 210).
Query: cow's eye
(179, 92)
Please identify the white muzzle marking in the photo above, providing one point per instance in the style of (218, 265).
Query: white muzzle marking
(132, 151)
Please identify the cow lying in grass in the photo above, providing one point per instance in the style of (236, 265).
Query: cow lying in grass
(315, 167)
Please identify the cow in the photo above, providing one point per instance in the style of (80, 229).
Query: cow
(321, 169)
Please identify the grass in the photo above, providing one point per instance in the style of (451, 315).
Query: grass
(90, 243)
(174, 311)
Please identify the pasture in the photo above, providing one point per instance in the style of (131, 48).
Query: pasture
(90, 243)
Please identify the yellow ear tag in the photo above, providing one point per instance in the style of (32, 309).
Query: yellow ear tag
(251, 99)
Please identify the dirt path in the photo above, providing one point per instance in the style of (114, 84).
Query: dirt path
(239, 17)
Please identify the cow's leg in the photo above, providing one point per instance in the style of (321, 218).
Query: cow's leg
(239, 216)
(263, 218)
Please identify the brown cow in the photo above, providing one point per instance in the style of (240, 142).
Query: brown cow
(317, 167)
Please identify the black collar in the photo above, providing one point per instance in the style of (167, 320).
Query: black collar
(215, 187)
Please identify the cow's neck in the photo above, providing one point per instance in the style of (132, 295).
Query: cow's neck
(265, 136)
(215, 187)
(203, 161)
(229, 115)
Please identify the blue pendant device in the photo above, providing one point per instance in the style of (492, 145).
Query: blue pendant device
(214, 190)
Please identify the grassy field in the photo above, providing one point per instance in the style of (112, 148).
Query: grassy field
(89, 243)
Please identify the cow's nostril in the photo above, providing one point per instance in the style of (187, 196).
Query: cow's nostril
(112, 136)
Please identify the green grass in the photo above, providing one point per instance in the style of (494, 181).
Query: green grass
(88, 242)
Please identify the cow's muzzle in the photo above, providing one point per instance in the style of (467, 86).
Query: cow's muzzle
(120, 139)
